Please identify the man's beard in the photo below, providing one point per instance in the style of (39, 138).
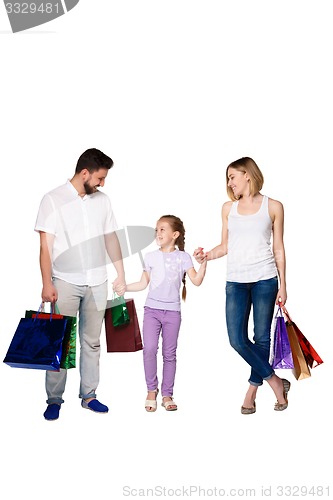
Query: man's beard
(89, 189)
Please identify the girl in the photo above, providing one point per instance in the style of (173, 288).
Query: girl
(164, 269)
(253, 271)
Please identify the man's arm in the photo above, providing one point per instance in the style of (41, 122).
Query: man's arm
(114, 252)
(49, 292)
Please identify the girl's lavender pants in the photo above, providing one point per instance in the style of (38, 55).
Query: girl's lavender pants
(156, 321)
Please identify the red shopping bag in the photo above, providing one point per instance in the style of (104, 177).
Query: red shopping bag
(312, 357)
(123, 338)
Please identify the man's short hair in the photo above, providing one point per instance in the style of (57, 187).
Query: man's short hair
(93, 159)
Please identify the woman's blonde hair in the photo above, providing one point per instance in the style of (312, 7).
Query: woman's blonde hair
(249, 166)
(177, 225)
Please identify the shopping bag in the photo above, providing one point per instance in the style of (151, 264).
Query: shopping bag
(68, 357)
(301, 369)
(311, 356)
(37, 343)
(119, 311)
(282, 356)
(123, 338)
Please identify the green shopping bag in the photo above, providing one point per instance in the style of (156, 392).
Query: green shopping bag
(68, 357)
(119, 311)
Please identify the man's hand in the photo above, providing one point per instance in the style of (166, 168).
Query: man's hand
(49, 293)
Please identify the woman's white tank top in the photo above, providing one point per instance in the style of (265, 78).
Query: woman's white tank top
(250, 256)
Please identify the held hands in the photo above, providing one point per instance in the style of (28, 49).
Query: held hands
(119, 286)
(199, 255)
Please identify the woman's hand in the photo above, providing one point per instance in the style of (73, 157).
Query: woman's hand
(281, 297)
(199, 255)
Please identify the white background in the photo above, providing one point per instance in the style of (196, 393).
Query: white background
(173, 92)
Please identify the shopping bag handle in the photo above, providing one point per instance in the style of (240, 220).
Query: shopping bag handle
(115, 296)
(287, 315)
(279, 311)
(54, 309)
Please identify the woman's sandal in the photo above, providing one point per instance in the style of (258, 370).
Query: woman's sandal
(151, 404)
(286, 387)
(169, 405)
(248, 411)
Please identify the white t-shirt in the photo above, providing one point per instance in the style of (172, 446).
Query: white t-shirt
(166, 271)
(78, 225)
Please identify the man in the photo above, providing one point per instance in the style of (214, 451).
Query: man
(77, 237)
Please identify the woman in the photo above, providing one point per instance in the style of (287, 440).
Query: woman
(255, 273)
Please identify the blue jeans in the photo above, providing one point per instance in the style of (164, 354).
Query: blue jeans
(239, 298)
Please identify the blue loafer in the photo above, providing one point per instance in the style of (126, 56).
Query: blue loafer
(94, 405)
(52, 412)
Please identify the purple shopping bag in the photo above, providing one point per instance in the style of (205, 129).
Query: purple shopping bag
(282, 355)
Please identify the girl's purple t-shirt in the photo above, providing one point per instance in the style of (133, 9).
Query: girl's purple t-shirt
(166, 271)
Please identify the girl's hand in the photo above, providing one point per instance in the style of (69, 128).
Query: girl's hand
(199, 255)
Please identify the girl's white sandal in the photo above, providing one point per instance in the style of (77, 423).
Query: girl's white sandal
(151, 404)
(168, 404)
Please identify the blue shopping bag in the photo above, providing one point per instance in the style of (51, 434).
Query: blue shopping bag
(37, 343)
(68, 356)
